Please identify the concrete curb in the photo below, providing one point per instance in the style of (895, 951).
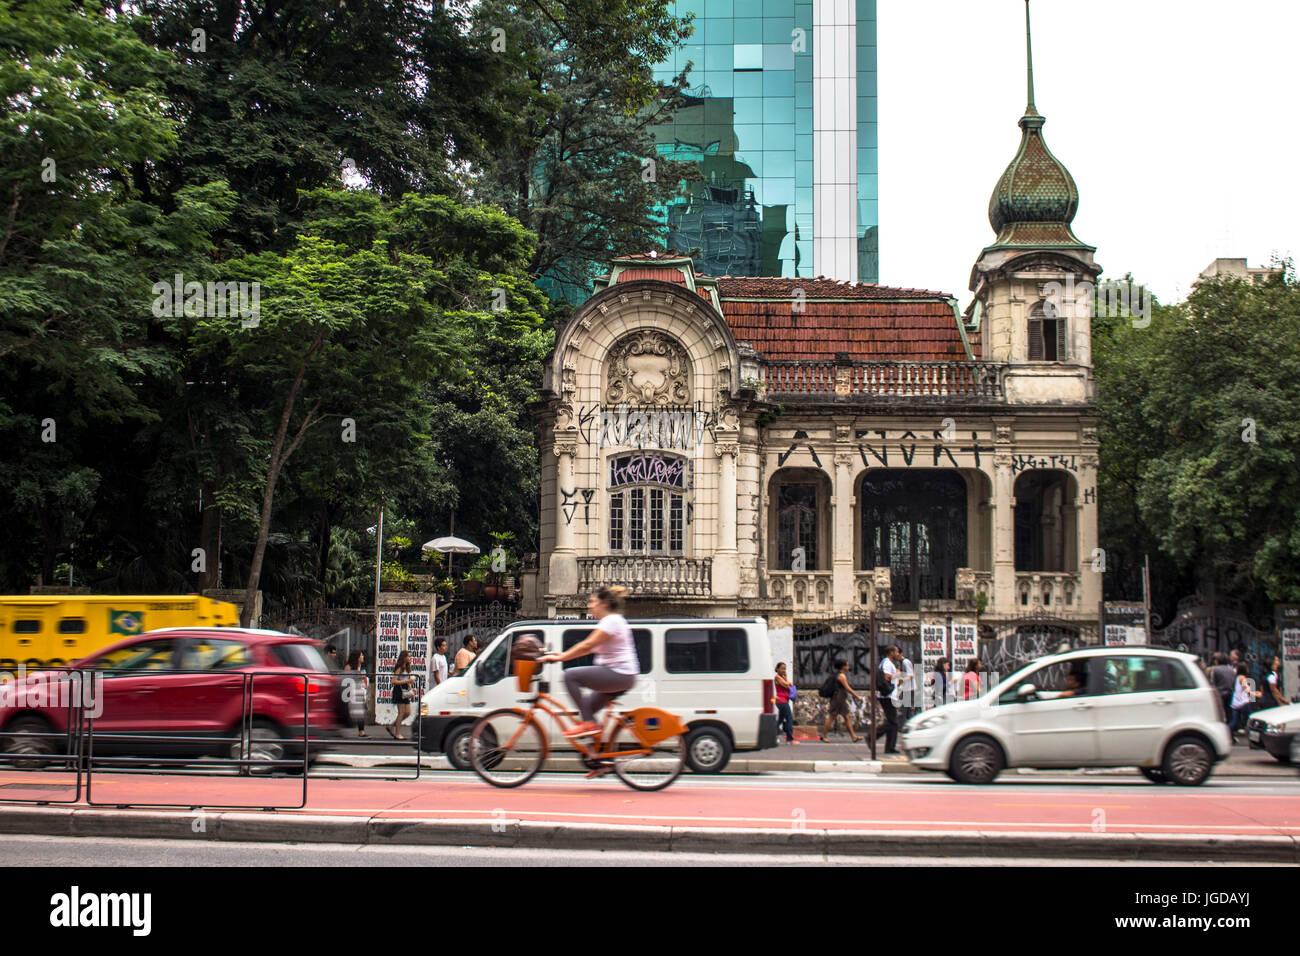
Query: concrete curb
(247, 826)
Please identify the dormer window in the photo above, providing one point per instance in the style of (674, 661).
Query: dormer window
(1046, 333)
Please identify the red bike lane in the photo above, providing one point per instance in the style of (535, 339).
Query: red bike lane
(1139, 808)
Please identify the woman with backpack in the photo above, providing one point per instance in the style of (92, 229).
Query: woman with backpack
(784, 714)
(838, 689)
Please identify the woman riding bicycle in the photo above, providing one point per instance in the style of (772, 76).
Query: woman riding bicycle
(616, 668)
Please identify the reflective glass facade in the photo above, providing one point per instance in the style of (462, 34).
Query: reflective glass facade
(749, 124)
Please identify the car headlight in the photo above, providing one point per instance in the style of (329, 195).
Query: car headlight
(929, 723)
(1277, 728)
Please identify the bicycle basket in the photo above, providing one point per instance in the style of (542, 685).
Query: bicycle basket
(525, 671)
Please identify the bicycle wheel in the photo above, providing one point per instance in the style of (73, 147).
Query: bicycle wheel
(652, 771)
(506, 747)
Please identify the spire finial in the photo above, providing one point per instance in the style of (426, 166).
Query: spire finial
(1029, 56)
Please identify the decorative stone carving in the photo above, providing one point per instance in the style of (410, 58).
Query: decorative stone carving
(648, 368)
(842, 433)
(1004, 433)
(725, 448)
(844, 458)
(1090, 436)
(565, 447)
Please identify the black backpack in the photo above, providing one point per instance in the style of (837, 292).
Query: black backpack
(884, 686)
(829, 685)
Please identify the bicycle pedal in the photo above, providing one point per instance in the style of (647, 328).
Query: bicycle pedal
(599, 772)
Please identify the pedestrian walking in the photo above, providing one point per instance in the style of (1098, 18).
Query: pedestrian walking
(465, 656)
(1242, 698)
(1271, 695)
(355, 685)
(889, 682)
(1223, 676)
(402, 693)
(940, 680)
(971, 679)
(784, 713)
(840, 700)
(439, 664)
(907, 692)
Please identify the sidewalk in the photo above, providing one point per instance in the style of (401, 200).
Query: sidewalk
(806, 755)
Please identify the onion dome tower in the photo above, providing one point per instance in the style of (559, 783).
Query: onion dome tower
(1033, 284)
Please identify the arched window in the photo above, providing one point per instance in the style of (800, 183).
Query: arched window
(649, 503)
(799, 518)
(1045, 521)
(1046, 333)
(914, 523)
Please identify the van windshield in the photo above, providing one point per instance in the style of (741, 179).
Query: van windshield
(492, 664)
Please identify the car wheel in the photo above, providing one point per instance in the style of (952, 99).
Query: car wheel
(17, 747)
(265, 744)
(1188, 761)
(456, 746)
(708, 750)
(977, 759)
(1154, 774)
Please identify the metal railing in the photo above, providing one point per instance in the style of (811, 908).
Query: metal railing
(72, 736)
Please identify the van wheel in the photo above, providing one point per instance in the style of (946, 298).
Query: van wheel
(1188, 761)
(1154, 774)
(708, 750)
(977, 759)
(456, 746)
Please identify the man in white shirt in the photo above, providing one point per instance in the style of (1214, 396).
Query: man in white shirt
(891, 667)
(439, 664)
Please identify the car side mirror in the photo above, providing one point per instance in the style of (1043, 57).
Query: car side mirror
(1026, 691)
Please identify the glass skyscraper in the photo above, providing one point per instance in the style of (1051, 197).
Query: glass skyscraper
(781, 118)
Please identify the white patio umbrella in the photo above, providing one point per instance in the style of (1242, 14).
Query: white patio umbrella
(450, 545)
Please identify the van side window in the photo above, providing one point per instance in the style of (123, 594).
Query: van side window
(640, 639)
(72, 625)
(706, 650)
(27, 627)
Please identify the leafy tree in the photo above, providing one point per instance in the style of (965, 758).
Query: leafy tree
(1200, 421)
(577, 116)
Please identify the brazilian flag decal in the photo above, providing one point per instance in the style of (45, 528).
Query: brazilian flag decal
(125, 622)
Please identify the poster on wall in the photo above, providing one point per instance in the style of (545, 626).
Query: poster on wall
(934, 645)
(417, 642)
(1291, 663)
(965, 645)
(1116, 635)
(388, 643)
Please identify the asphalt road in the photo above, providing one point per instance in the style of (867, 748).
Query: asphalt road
(41, 851)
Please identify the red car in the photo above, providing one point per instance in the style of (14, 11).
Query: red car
(183, 684)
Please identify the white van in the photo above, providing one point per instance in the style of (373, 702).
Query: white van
(1143, 707)
(716, 674)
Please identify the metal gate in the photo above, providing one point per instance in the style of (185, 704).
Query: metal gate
(1007, 646)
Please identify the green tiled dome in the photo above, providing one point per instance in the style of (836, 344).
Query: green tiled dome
(1036, 187)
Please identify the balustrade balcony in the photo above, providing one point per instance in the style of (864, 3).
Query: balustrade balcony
(968, 381)
(648, 576)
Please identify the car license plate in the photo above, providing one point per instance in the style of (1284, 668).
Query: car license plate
(1253, 735)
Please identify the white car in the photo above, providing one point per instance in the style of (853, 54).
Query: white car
(714, 673)
(1141, 707)
(1274, 730)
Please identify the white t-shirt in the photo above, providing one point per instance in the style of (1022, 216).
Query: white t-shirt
(890, 669)
(908, 685)
(619, 652)
(440, 667)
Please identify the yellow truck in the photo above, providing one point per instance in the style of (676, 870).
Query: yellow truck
(55, 629)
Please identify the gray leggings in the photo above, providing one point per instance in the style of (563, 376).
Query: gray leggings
(604, 683)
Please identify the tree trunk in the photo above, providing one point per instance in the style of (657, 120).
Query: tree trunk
(279, 455)
(210, 538)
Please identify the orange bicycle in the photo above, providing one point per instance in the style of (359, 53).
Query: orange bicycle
(645, 747)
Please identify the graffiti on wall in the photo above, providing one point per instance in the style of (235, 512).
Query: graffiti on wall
(942, 446)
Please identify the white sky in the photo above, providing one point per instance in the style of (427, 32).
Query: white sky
(1177, 119)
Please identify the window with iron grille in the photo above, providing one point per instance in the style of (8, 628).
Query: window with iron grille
(648, 503)
(796, 525)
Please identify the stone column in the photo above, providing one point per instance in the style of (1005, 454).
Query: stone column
(1004, 544)
(726, 568)
(843, 596)
(1090, 581)
(564, 559)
